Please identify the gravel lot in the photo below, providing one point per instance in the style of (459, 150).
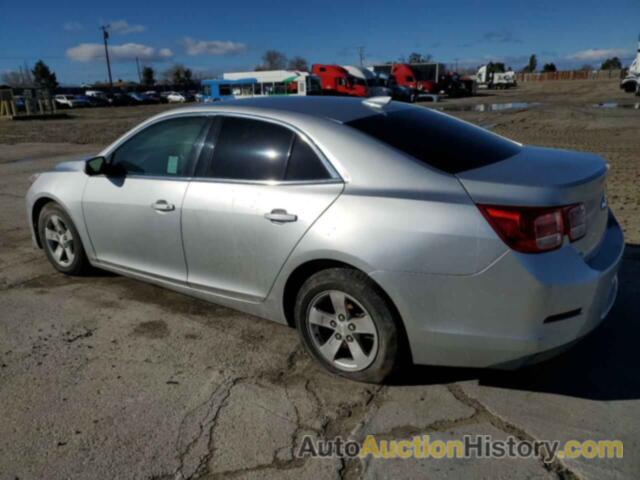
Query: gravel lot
(106, 377)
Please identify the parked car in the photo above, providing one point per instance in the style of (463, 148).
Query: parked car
(154, 97)
(71, 101)
(175, 97)
(20, 103)
(97, 101)
(82, 100)
(142, 99)
(120, 100)
(382, 231)
(96, 98)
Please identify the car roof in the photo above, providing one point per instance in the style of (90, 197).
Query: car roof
(339, 109)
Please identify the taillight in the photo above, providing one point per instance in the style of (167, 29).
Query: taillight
(576, 219)
(536, 229)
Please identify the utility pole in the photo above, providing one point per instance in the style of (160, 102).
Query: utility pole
(138, 67)
(105, 37)
(361, 55)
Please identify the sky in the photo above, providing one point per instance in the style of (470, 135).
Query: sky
(213, 37)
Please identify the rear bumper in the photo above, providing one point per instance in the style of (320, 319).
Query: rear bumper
(496, 318)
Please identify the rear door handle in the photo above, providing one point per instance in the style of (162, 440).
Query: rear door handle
(163, 206)
(280, 215)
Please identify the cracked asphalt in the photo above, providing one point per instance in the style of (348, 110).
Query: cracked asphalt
(107, 377)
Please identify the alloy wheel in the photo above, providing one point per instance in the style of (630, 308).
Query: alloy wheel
(342, 330)
(59, 240)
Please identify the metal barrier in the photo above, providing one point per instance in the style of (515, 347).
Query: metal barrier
(33, 103)
(569, 75)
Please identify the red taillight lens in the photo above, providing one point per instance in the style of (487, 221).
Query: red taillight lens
(536, 229)
(526, 229)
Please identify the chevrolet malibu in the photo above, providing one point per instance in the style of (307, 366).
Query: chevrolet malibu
(382, 231)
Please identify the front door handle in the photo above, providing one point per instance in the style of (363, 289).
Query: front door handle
(163, 206)
(280, 215)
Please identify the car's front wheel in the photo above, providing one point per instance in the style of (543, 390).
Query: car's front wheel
(347, 325)
(61, 241)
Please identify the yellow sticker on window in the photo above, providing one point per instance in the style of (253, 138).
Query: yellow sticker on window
(172, 165)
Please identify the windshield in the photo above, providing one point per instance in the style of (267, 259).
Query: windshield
(436, 139)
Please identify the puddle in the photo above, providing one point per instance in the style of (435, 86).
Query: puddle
(632, 106)
(488, 107)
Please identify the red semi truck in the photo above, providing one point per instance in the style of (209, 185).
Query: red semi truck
(428, 78)
(337, 81)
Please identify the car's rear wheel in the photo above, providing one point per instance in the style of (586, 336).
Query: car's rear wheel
(61, 241)
(347, 325)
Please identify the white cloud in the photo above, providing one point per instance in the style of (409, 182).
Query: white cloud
(212, 47)
(123, 27)
(73, 27)
(593, 54)
(86, 52)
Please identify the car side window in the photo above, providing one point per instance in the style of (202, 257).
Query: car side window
(163, 149)
(304, 164)
(249, 149)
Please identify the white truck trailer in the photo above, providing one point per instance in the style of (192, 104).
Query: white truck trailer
(631, 83)
(487, 79)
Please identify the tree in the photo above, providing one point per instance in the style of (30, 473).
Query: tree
(18, 78)
(415, 57)
(43, 77)
(273, 60)
(549, 67)
(298, 63)
(611, 64)
(587, 67)
(533, 64)
(179, 75)
(148, 76)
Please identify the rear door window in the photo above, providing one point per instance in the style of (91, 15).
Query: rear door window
(249, 149)
(437, 140)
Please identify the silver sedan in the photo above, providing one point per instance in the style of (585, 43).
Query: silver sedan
(382, 231)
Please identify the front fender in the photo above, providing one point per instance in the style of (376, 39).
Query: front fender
(64, 188)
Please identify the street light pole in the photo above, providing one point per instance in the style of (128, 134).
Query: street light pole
(105, 37)
(361, 55)
(138, 68)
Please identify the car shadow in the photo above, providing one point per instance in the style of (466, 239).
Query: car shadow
(602, 366)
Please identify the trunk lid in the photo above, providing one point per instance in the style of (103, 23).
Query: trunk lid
(540, 177)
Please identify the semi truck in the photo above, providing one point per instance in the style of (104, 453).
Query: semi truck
(336, 80)
(631, 83)
(418, 76)
(376, 86)
(485, 78)
(430, 78)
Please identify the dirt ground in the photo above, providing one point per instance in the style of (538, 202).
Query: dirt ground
(106, 377)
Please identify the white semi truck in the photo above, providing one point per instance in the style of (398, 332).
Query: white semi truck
(487, 79)
(631, 83)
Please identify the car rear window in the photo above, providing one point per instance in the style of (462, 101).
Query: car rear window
(438, 140)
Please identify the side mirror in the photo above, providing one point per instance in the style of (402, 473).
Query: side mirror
(95, 166)
(100, 166)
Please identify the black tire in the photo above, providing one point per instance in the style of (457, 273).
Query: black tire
(362, 289)
(80, 264)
